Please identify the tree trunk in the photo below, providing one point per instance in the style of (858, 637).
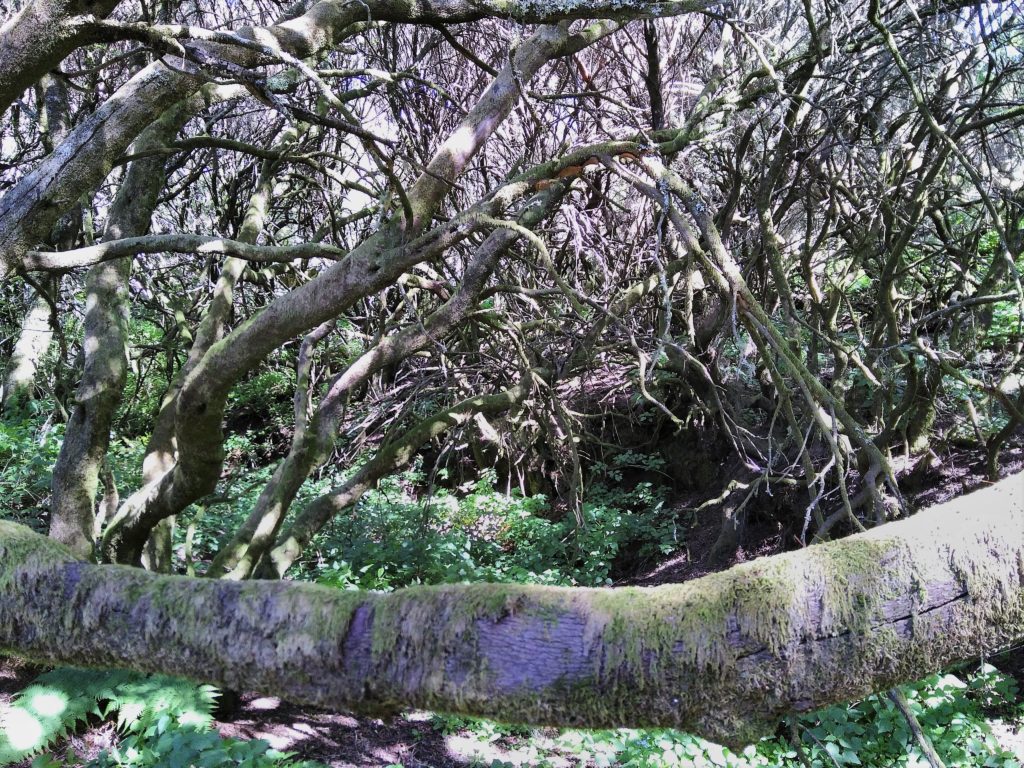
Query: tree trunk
(141, 514)
(724, 656)
(77, 471)
(312, 445)
(38, 37)
(33, 341)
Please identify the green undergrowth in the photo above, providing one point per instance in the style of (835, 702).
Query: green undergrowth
(29, 444)
(162, 722)
(396, 537)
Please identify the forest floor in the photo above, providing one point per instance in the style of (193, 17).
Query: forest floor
(412, 740)
(423, 740)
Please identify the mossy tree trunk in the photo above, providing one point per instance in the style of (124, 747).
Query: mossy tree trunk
(76, 474)
(724, 656)
(146, 510)
(33, 341)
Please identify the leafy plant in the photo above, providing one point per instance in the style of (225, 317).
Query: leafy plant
(954, 714)
(161, 745)
(393, 539)
(59, 700)
(29, 444)
(164, 722)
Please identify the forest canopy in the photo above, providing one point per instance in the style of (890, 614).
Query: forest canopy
(385, 295)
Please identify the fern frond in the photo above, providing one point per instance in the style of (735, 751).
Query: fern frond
(57, 701)
(144, 698)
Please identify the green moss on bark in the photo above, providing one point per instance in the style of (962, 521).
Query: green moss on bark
(20, 546)
(724, 655)
(712, 621)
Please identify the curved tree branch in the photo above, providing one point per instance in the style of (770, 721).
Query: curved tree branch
(724, 656)
(86, 157)
(177, 243)
(37, 38)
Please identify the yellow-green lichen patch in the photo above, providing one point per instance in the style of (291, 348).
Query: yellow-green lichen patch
(856, 576)
(709, 622)
(97, 599)
(986, 569)
(30, 559)
(328, 617)
(325, 611)
(462, 605)
(692, 621)
(634, 628)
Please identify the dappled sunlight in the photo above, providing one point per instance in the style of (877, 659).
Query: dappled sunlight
(48, 703)
(614, 368)
(474, 751)
(192, 718)
(265, 703)
(23, 731)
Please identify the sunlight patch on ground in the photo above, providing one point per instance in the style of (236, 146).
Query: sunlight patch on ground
(390, 756)
(418, 716)
(476, 751)
(265, 703)
(285, 737)
(49, 703)
(1009, 736)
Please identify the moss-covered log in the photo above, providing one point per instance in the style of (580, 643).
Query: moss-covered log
(724, 656)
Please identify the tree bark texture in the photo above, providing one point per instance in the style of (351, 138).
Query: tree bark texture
(162, 492)
(81, 162)
(77, 471)
(33, 341)
(38, 37)
(724, 656)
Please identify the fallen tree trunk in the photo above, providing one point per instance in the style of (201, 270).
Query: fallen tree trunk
(723, 656)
